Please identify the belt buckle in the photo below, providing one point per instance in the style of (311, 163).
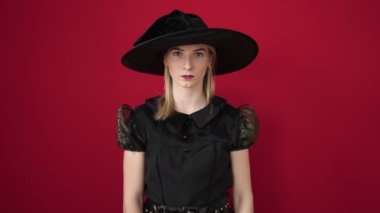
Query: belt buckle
(158, 208)
(189, 209)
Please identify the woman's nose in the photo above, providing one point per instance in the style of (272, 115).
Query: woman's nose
(188, 64)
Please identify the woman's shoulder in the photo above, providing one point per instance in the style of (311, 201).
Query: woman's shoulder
(141, 110)
(235, 110)
(150, 105)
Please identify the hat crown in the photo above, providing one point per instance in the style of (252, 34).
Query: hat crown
(176, 21)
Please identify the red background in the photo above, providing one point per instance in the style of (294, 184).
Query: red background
(315, 87)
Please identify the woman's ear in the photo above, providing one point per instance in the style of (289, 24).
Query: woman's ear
(164, 59)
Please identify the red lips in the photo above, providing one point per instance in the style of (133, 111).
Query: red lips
(187, 77)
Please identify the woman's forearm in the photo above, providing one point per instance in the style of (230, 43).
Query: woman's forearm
(242, 189)
(133, 182)
(244, 203)
(133, 205)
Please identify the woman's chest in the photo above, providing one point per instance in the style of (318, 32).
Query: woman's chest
(185, 148)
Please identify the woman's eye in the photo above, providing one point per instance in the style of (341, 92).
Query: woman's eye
(199, 54)
(177, 53)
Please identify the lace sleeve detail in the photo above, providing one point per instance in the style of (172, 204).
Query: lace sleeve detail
(128, 136)
(248, 126)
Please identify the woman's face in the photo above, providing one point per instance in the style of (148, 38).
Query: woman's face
(188, 64)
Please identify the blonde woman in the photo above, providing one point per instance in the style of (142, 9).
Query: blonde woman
(184, 149)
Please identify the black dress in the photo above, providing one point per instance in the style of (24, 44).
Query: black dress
(187, 157)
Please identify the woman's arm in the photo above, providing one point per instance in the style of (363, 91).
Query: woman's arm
(133, 181)
(242, 190)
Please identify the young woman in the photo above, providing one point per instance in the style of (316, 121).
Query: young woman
(186, 148)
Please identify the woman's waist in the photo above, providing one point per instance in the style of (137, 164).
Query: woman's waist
(199, 194)
(220, 205)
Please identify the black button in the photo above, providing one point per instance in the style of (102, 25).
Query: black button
(186, 150)
(184, 137)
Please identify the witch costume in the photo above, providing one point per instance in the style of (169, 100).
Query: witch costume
(187, 156)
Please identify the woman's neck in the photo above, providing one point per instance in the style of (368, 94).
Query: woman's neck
(188, 100)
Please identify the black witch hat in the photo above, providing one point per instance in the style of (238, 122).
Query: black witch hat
(234, 49)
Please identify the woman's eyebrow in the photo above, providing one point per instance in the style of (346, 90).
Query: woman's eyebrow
(200, 49)
(179, 49)
(175, 48)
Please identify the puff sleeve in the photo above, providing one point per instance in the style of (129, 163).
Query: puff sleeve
(247, 128)
(128, 135)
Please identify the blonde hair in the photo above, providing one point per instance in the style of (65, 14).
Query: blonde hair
(166, 101)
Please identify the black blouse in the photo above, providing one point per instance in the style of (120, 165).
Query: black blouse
(187, 159)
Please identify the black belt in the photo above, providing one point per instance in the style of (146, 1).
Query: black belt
(220, 206)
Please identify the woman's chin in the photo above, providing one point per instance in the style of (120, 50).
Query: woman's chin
(187, 84)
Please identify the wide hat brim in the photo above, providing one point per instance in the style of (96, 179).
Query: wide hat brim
(234, 50)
